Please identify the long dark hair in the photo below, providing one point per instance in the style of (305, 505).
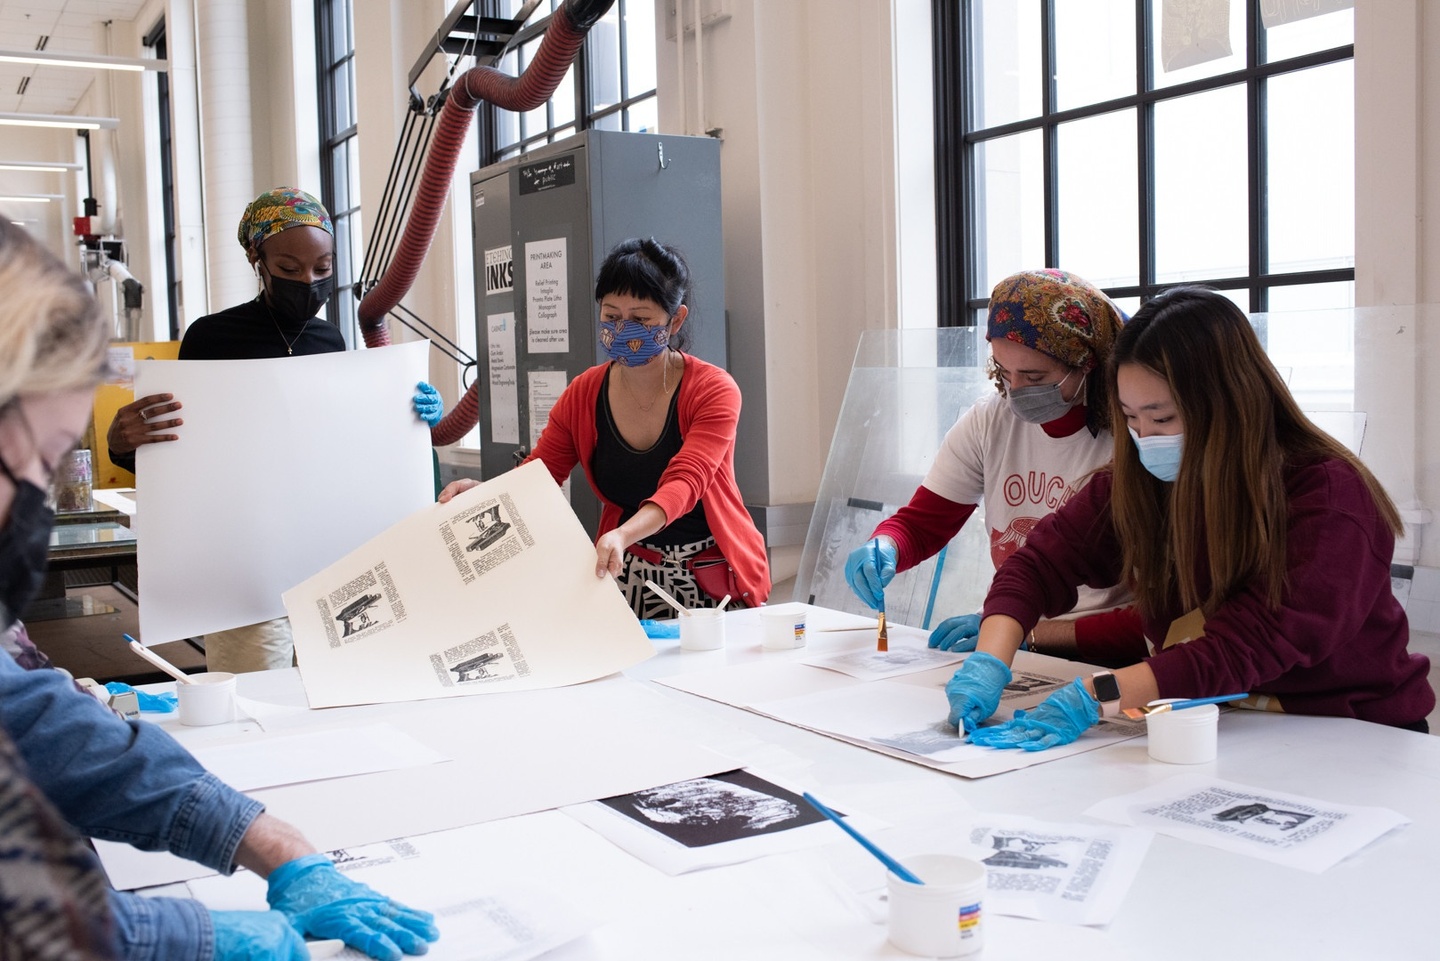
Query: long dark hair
(1242, 430)
(652, 271)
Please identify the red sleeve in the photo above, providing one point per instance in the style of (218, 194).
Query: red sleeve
(709, 417)
(1111, 638)
(923, 526)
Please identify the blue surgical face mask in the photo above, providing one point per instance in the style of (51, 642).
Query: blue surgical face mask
(1042, 403)
(1160, 453)
(632, 343)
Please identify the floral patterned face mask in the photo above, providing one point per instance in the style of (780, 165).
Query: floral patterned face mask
(632, 343)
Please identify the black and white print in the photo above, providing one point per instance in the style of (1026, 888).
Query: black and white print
(716, 809)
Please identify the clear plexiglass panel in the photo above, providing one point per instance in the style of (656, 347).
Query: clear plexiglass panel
(907, 389)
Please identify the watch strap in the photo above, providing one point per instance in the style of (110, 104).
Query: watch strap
(1107, 693)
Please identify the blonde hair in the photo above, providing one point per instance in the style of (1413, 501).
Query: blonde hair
(52, 333)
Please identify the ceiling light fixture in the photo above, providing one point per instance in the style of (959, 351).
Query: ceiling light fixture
(31, 198)
(47, 59)
(37, 166)
(58, 120)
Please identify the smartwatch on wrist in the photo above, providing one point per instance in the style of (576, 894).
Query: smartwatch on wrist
(1107, 692)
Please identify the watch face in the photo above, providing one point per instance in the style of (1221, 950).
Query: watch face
(1106, 687)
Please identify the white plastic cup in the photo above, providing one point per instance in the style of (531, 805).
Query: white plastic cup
(944, 916)
(208, 699)
(1183, 737)
(784, 627)
(703, 629)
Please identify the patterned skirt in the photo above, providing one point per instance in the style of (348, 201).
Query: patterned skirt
(666, 567)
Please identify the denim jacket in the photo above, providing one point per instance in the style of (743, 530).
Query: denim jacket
(127, 781)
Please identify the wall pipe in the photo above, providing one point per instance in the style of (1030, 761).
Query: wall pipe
(562, 41)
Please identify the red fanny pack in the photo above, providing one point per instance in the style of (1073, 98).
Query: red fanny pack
(712, 572)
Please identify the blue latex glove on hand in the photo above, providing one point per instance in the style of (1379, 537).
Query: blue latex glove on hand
(975, 690)
(1061, 718)
(661, 629)
(869, 568)
(323, 903)
(428, 405)
(256, 936)
(157, 703)
(956, 633)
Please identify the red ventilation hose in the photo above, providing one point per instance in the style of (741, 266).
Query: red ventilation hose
(562, 40)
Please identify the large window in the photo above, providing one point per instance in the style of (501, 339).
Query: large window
(340, 155)
(1144, 143)
(156, 40)
(611, 86)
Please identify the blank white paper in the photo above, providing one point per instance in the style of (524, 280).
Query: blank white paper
(282, 467)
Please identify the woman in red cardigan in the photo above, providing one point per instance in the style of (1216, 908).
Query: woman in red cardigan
(654, 429)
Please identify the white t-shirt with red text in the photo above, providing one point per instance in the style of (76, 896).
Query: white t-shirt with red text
(1021, 474)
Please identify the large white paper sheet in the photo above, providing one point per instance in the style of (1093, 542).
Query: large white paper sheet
(493, 591)
(282, 466)
(509, 922)
(253, 763)
(903, 717)
(1301, 832)
(513, 754)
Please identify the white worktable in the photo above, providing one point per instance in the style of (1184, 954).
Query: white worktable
(1189, 901)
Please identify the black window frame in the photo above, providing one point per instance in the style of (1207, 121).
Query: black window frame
(343, 304)
(586, 115)
(956, 140)
(156, 39)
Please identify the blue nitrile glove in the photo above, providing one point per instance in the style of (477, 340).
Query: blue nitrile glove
(654, 629)
(256, 936)
(957, 633)
(323, 903)
(1060, 719)
(158, 703)
(975, 690)
(428, 405)
(869, 568)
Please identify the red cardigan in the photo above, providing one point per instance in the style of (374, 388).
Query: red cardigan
(702, 472)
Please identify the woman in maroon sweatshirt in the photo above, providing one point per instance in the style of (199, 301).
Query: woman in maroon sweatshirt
(1258, 548)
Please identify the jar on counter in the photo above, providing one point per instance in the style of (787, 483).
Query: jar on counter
(74, 482)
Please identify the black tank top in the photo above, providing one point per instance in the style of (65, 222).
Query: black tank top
(626, 476)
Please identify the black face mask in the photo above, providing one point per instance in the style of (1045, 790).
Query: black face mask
(295, 302)
(24, 548)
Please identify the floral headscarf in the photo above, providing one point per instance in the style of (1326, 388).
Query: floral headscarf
(277, 210)
(1058, 314)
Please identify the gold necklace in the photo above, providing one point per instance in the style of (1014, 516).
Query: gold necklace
(664, 386)
(289, 344)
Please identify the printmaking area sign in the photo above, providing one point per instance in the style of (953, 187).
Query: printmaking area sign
(547, 297)
(461, 598)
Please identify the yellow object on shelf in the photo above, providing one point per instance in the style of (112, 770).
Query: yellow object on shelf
(114, 394)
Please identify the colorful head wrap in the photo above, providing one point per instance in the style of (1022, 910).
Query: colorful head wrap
(1056, 313)
(280, 209)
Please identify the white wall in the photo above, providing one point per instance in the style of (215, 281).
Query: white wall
(1397, 242)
